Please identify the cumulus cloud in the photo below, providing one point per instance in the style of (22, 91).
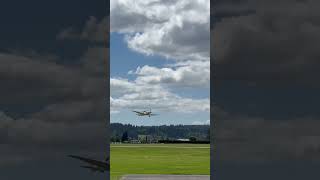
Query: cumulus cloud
(177, 30)
(54, 81)
(94, 61)
(274, 43)
(35, 138)
(153, 87)
(192, 74)
(207, 122)
(93, 30)
(128, 94)
(271, 45)
(255, 139)
(51, 108)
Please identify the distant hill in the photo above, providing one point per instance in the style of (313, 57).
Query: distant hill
(200, 132)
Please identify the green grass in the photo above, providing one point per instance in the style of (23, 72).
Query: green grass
(159, 159)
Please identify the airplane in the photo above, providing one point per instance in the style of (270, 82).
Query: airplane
(144, 113)
(95, 165)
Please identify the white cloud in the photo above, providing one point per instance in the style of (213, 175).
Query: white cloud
(93, 30)
(193, 74)
(94, 60)
(207, 122)
(16, 135)
(134, 95)
(178, 30)
(120, 86)
(152, 87)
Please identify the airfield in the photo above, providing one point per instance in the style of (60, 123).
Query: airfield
(165, 177)
(160, 161)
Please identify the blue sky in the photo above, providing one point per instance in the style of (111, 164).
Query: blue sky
(159, 61)
(124, 60)
(35, 66)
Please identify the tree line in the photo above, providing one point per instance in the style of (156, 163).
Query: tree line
(123, 132)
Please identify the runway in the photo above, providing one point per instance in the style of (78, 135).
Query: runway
(191, 147)
(165, 177)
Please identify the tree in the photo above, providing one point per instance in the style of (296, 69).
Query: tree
(117, 138)
(124, 136)
(113, 139)
(193, 139)
(208, 134)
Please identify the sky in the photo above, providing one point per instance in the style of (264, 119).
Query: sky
(160, 59)
(266, 90)
(265, 95)
(53, 88)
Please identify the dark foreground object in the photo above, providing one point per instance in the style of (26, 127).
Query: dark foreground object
(165, 177)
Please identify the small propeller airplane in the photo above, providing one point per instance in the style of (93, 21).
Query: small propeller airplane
(95, 165)
(144, 113)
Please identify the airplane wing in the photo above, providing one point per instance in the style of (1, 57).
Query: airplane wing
(154, 114)
(140, 113)
(90, 161)
(92, 168)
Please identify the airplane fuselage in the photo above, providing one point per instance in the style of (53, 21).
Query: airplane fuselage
(144, 113)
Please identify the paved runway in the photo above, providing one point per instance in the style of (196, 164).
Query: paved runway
(165, 177)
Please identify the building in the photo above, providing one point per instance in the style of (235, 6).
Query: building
(147, 139)
(183, 140)
(135, 141)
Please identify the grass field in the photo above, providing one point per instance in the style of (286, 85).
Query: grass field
(159, 159)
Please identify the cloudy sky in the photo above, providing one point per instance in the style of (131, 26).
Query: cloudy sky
(160, 59)
(53, 88)
(266, 90)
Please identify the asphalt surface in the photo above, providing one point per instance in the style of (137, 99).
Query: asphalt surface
(165, 177)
